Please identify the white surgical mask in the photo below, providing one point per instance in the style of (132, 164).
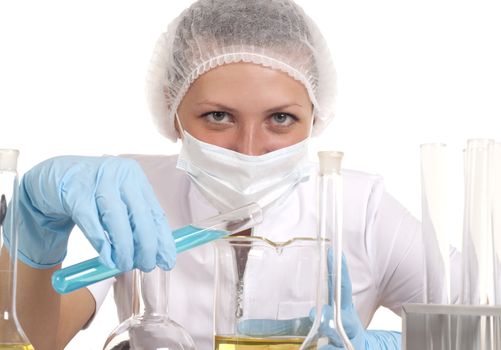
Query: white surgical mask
(229, 179)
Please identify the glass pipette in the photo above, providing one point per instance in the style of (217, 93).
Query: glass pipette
(91, 271)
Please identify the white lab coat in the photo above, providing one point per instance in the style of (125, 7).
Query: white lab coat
(381, 244)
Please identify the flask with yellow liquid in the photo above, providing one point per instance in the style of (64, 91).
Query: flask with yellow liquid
(12, 336)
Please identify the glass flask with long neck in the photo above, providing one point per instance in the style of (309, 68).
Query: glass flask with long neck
(330, 240)
(12, 336)
(149, 327)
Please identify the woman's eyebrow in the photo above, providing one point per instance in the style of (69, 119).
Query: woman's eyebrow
(217, 106)
(223, 107)
(284, 106)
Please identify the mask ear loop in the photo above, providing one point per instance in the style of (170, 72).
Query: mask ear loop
(180, 126)
(312, 123)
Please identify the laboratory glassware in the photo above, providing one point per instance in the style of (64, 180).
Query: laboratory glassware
(264, 292)
(91, 271)
(477, 269)
(11, 334)
(435, 239)
(496, 236)
(330, 227)
(435, 233)
(149, 327)
(496, 221)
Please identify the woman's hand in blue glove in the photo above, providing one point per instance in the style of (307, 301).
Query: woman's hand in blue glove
(108, 198)
(360, 338)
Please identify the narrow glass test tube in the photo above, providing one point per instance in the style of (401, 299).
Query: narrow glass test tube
(496, 236)
(477, 269)
(434, 214)
(435, 238)
(496, 222)
(91, 271)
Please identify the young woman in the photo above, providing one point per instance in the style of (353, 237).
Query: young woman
(244, 85)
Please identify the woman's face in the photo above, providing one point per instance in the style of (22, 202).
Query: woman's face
(247, 108)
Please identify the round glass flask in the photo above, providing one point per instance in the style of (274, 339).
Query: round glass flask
(149, 327)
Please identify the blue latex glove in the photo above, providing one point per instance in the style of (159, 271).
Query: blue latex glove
(360, 338)
(108, 198)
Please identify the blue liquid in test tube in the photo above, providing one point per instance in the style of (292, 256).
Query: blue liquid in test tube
(91, 271)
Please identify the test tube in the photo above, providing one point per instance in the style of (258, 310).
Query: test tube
(477, 269)
(496, 236)
(91, 271)
(496, 222)
(435, 236)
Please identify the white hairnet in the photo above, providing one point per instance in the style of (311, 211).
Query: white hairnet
(210, 33)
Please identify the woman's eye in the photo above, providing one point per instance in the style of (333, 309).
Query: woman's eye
(283, 119)
(217, 117)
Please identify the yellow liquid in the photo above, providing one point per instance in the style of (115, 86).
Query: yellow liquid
(242, 343)
(16, 347)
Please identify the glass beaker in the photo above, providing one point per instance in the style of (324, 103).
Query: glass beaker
(11, 334)
(149, 327)
(264, 292)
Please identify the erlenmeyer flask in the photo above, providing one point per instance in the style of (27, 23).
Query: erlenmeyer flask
(149, 327)
(11, 334)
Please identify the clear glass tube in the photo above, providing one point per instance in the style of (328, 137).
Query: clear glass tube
(435, 233)
(149, 327)
(11, 334)
(496, 221)
(478, 267)
(435, 238)
(496, 236)
(91, 271)
(330, 195)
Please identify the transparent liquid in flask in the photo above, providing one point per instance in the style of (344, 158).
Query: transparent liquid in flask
(11, 334)
(149, 328)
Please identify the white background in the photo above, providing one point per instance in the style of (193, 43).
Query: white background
(72, 82)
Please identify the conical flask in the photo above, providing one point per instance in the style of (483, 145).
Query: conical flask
(11, 334)
(149, 327)
(330, 234)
